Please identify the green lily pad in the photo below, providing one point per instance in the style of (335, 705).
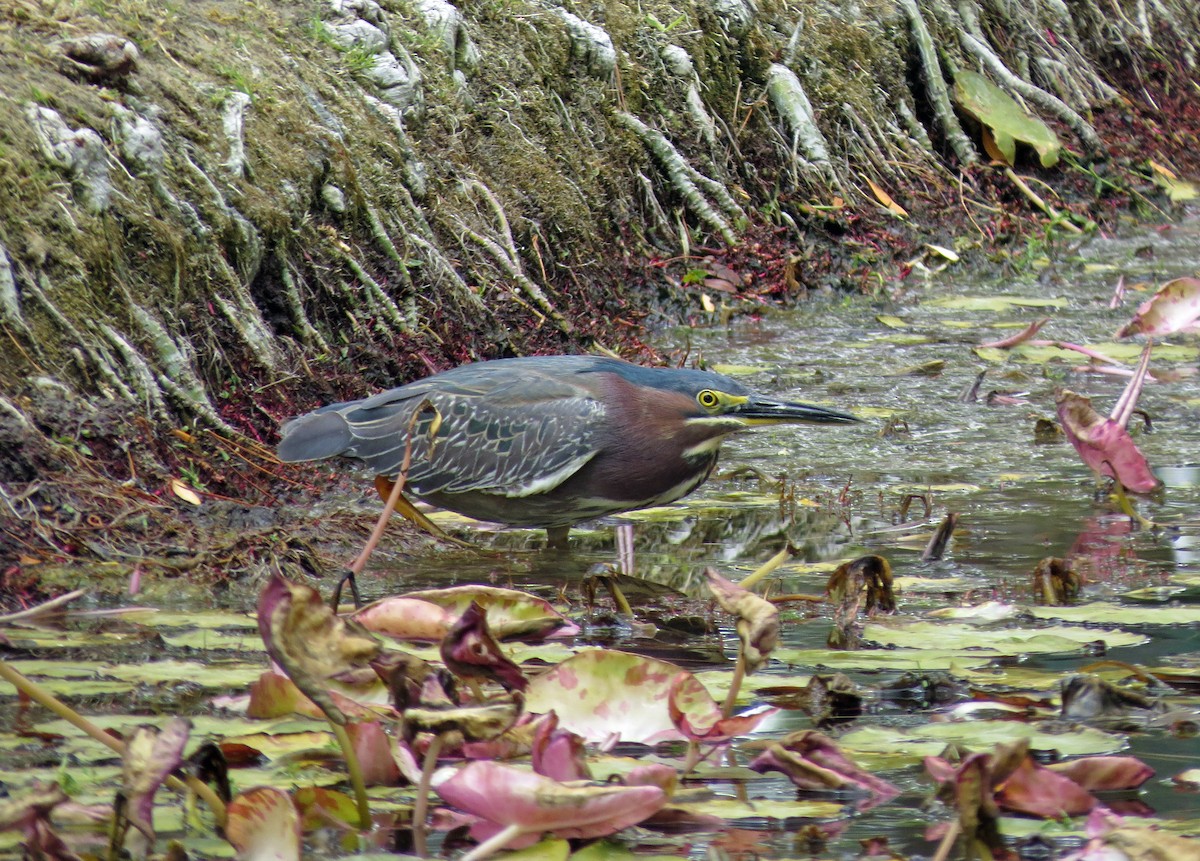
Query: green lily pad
(1109, 614)
(992, 355)
(995, 303)
(732, 810)
(188, 619)
(607, 850)
(1120, 352)
(931, 738)
(1008, 121)
(739, 370)
(209, 640)
(899, 660)
(998, 641)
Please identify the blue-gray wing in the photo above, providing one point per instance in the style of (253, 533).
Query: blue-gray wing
(514, 437)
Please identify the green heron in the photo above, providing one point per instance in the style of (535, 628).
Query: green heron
(545, 441)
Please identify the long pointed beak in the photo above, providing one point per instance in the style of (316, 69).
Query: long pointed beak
(766, 411)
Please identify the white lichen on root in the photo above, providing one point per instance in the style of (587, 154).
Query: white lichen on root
(685, 180)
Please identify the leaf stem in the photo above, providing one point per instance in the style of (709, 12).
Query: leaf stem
(735, 684)
(421, 805)
(494, 843)
(752, 579)
(354, 771)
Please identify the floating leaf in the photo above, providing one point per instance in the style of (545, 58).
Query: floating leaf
(406, 618)
(1008, 122)
(264, 826)
(511, 614)
(1173, 308)
(998, 641)
(995, 303)
(1105, 773)
(604, 695)
(1104, 444)
(151, 755)
(505, 795)
(1100, 613)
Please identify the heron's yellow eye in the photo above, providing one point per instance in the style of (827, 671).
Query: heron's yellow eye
(708, 399)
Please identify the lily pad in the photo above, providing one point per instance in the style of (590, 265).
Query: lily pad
(1108, 614)
(930, 739)
(898, 660)
(733, 810)
(995, 303)
(999, 641)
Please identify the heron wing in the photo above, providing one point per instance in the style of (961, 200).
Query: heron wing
(516, 437)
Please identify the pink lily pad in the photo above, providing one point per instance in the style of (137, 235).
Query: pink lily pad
(263, 825)
(1105, 773)
(512, 614)
(1174, 308)
(606, 696)
(509, 796)
(150, 756)
(406, 618)
(1104, 444)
